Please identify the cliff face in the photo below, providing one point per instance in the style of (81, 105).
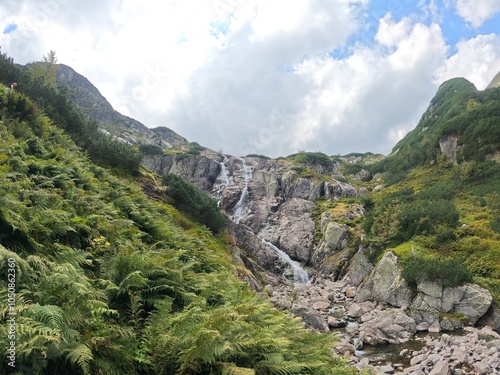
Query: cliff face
(88, 98)
(273, 201)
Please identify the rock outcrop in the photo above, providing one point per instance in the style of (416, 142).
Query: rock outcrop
(385, 284)
(449, 306)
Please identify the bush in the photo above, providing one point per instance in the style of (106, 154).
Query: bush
(150, 150)
(191, 200)
(425, 216)
(451, 272)
(313, 158)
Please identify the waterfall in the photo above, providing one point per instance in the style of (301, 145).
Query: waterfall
(224, 177)
(241, 206)
(300, 275)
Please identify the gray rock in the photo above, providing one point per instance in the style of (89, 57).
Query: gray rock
(312, 318)
(391, 326)
(440, 368)
(340, 189)
(334, 238)
(448, 146)
(385, 284)
(491, 318)
(387, 369)
(360, 267)
(296, 229)
(474, 303)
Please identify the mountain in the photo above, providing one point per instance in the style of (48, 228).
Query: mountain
(400, 244)
(108, 281)
(460, 125)
(86, 96)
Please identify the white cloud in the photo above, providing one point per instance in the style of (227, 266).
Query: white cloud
(477, 60)
(255, 76)
(476, 12)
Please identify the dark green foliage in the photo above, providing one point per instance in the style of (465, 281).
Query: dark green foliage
(258, 156)
(193, 201)
(145, 149)
(425, 216)
(312, 158)
(450, 272)
(458, 109)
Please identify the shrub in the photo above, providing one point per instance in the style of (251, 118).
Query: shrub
(425, 216)
(191, 200)
(150, 150)
(451, 272)
(313, 158)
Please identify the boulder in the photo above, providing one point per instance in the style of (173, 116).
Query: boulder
(390, 326)
(335, 237)
(359, 268)
(338, 189)
(385, 284)
(312, 318)
(474, 303)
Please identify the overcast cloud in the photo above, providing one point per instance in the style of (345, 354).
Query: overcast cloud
(262, 76)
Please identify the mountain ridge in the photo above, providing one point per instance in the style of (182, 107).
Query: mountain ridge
(89, 99)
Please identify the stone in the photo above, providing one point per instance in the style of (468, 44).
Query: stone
(296, 229)
(475, 302)
(424, 326)
(387, 369)
(312, 318)
(359, 268)
(356, 310)
(385, 284)
(350, 292)
(391, 326)
(321, 305)
(440, 368)
(335, 237)
(434, 327)
(336, 323)
(491, 318)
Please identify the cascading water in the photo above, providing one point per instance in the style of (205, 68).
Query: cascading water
(300, 275)
(241, 206)
(223, 177)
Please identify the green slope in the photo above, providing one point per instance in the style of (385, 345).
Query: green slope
(441, 206)
(109, 280)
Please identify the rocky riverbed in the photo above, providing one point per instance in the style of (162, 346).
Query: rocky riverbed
(368, 327)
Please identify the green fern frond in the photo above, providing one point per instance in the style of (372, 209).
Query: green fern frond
(81, 356)
(232, 369)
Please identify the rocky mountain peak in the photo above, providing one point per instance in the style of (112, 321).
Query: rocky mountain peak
(88, 98)
(495, 82)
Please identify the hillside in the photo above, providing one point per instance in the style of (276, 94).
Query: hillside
(109, 281)
(397, 244)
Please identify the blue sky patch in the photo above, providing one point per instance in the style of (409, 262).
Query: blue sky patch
(10, 28)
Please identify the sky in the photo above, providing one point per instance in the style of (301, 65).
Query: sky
(269, 77)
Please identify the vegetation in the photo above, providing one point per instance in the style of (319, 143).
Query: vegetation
(194, 202)
(111, 282)
(450, 272)
(38, 83)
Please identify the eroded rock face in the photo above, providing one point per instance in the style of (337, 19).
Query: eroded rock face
(449, 146)
(385, 284)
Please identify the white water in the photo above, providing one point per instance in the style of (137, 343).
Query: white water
(224, 177)
(241, 206)
(300, 275)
